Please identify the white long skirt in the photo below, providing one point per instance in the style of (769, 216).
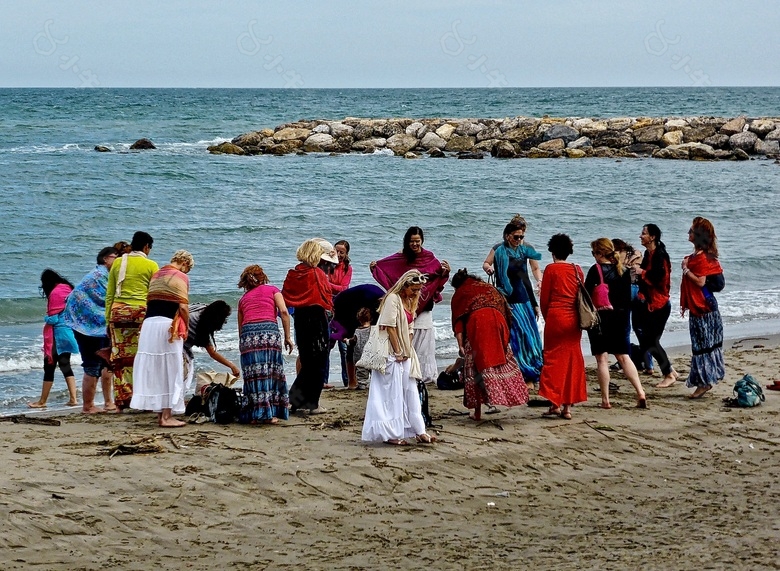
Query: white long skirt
(424, 343)
(393, 407)
(158, 369)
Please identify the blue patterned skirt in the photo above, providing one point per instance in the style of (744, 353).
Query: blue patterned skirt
(262, 366)
(707, 367)
(525, 341)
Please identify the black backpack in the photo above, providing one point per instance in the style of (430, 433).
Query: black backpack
(222, 404)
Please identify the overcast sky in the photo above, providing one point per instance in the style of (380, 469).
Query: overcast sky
(391, 43)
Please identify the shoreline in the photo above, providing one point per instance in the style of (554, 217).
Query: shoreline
(617, 488)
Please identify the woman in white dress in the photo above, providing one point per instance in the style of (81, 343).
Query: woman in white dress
(393, 411)
(158, 378)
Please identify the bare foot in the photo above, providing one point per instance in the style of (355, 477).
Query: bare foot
(605, 405)
(426, 438)
(475, 416)
(699, 392)
(397, 442)
(36, 404)
(171, 423)
(110, 409)
(72, 403)
(668, 381)
(272, 420)
(92, 410)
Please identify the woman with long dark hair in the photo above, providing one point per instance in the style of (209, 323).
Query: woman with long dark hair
(58, 339)
(413, 256)
(205, 321)
(703, 276)
(652, 308)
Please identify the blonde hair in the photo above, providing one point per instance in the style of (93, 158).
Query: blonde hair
(412, 277)
(310, 252)
(251, 277)
(183, 258)
(605, 248)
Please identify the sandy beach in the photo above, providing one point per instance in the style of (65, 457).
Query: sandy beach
(683, 485)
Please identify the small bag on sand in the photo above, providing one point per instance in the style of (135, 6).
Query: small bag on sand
(205, 378)
(747, 393)
(586, 311)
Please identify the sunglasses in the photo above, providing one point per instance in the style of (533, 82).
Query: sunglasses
(517, 236)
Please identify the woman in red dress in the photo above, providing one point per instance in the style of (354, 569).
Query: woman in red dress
(480, 320)
(563, 375)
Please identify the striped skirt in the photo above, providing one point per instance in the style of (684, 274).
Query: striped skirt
(707, 366)
(262, 366)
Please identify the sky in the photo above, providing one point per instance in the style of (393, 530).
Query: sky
(391, 43)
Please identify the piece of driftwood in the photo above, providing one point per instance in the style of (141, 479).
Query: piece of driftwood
(143, 446)
(24, 419)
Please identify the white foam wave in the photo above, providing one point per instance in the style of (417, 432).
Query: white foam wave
(15, 364)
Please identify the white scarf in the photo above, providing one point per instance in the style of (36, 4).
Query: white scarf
(123, 270)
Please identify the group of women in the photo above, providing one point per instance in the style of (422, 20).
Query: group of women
(141, 314)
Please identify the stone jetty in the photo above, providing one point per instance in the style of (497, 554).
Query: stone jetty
(691, 138)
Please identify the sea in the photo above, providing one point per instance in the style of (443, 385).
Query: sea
(62, 201)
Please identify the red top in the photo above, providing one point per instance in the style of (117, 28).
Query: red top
(340, 278)
(656, 292)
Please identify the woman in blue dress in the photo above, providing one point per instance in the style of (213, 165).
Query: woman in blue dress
(511, 269)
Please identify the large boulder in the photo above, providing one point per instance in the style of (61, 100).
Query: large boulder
(740, 155)
(142, 145)
(563, 132)
(414, 129)
(470, 155)
(697, 134)
(402, 143)
(519, 133)
(431, 140)
(672, 152)
(291, 134)
(284, 148)
(745, 141)
(613, 139)
(460, 143)
(469, 129)
(322, 128)
(649, 134)
(733, 127)
(362, 130)
(672, 138)
(773, 136)
(767, 147)
(554, 145)
(341, 130)
(592, 129)
(320, 143)
(642, 148)
(253, 138)
(581, 143)
(489, 133)
(762, 127)
(226, 149)
(537, 153)
(619, 123)
(102, 149)
(389, 129)
(675, 124)
(574, 153)
(446, 131)
(718, 141)
(699, 152)
(580, 123)
(369, 144)
(487, 145)
(436, 153)
(503, 150)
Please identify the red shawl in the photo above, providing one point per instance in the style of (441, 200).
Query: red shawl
(305, 286)
(473, 295)
(388, 270)
(692, 296)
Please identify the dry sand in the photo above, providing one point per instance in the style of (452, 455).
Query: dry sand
(683, 485)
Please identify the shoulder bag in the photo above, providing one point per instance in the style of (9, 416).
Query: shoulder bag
(601, 292)
(586, 311)
(375, 351)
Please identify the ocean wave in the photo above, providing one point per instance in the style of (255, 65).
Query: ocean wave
(172, 147)
(20, 363)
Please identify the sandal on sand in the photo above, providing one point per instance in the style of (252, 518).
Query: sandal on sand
(397, 442)
(566, 415)
(318, 410)
(552, 411)
(426, 438)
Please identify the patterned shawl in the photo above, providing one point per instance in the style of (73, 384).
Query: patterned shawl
(171, 284)
(473, 295)
(692, 296)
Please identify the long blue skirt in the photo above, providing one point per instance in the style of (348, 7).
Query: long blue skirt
(707, 366)
(262, 366)
(525, 341)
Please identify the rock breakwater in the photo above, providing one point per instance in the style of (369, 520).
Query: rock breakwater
(692, 138)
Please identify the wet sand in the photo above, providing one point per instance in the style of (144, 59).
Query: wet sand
(683, 485)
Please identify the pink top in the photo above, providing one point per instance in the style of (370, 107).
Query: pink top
(409, 317)
(340, 278)
(258, 304)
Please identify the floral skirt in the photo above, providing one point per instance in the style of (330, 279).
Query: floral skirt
(124, 329)
(707, 366)
(262, 366)
(501, 385)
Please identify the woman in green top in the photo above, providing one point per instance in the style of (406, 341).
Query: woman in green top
(128, 284)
